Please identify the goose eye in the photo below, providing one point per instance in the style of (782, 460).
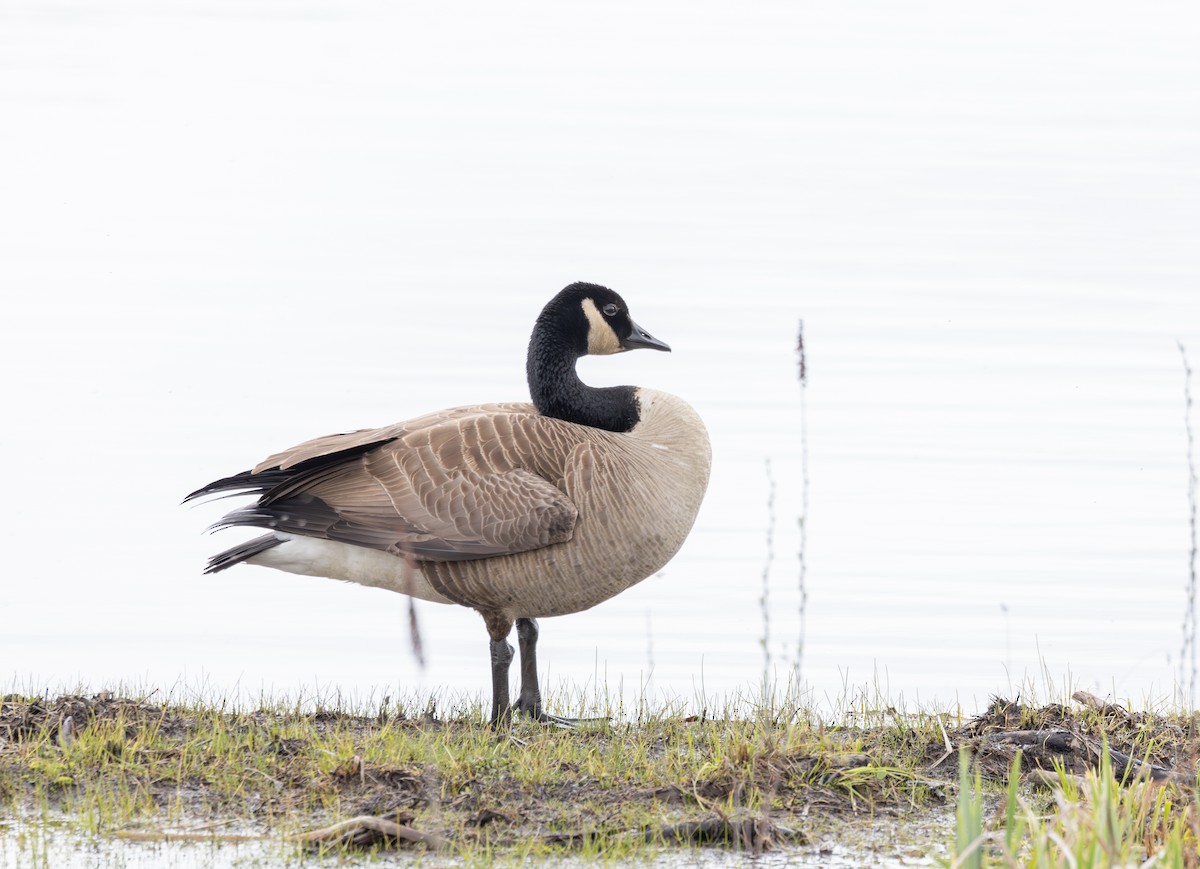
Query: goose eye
(610, 310)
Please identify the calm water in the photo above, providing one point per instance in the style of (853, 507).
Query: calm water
(229, 227)
(54, 846)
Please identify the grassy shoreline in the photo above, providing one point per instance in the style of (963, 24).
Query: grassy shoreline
(776, 777)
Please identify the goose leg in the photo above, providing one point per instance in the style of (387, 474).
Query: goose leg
(502, 655)
(529, 701)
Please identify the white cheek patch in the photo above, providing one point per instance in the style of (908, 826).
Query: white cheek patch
(602, 340)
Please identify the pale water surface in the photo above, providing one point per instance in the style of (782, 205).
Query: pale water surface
(228, 227)
(75, 852)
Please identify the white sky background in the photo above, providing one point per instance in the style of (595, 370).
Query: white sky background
(228, 227)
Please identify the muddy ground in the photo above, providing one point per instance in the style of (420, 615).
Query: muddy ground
(132, 767)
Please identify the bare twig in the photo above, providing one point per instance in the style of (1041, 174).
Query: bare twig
(368, 830)
(66, 732)
(802, 521)
(1053, 778)
(1187, 655)
(414, 625)
(362, 831)
(765, 600)
(1093, 702)
(948, 744)
(414, 631)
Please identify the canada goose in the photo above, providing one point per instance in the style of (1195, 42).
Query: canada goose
(515, 510)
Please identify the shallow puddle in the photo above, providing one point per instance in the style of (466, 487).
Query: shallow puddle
(885, 842)
(56, 845)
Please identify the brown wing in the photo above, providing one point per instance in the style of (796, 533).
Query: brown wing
(462, 484)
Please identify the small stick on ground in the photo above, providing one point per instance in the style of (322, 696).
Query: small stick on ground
(1093, 702)
(366, 830)
(359, 832)
(949, 746)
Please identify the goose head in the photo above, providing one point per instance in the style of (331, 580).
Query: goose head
(581, 320)
(592, 320)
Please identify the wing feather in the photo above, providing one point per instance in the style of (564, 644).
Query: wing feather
(467, 483)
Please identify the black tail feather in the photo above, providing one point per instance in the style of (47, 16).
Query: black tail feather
(241, 552)
(245, 483)
(274, 484)
(285, 505)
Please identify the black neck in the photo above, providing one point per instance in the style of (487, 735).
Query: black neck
(557, 390)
